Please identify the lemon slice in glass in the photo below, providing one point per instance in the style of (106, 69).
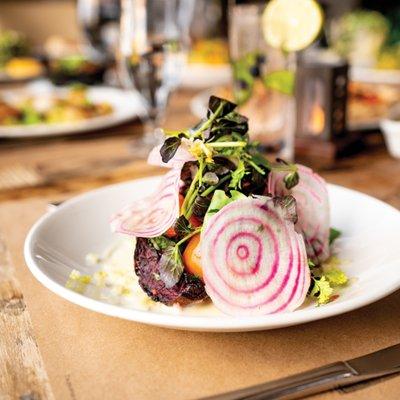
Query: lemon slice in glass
(291, 25)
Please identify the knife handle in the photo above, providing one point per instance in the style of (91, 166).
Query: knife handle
(300, 385)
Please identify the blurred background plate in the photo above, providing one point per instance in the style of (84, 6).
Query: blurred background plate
(126, 106)
(374, 75)
(200, 76)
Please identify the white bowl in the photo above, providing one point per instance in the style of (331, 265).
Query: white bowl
(390, 127)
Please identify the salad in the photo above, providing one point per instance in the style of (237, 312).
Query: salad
(227, 224)
(74, 106)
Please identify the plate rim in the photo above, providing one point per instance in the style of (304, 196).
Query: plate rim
(191, 322)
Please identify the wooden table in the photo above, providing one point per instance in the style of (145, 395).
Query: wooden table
(71, 165)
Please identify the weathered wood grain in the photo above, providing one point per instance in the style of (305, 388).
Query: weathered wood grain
(22, 373)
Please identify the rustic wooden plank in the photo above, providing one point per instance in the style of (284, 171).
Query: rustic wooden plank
(22, 373)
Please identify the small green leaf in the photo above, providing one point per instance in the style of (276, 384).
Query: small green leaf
(220, 200)
(336, 277)
(321, 290)
(333, 235)
(311, 264)
(182, 226)
(237, 175)
(161, 242)
(291, 179)
(281, 81)
(169, 148)
(171, 266)
(219, 107)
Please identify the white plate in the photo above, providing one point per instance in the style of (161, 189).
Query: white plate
(200, 76)
(61, 239)
(126, 106)
(374, 75)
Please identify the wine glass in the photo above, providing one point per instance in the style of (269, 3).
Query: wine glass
(99, 20)
(154, 39)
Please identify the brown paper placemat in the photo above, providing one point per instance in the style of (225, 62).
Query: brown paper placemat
(92, 356)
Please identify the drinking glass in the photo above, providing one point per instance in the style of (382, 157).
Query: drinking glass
(99, 20)
(263, 81)
(154, 39)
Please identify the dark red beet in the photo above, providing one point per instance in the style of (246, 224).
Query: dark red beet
(146, 259)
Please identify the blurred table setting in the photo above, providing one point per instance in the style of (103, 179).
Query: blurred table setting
(88, 88)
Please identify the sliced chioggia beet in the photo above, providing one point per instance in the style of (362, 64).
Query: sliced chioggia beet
(312, 201)
(254, 262)
(153, 215)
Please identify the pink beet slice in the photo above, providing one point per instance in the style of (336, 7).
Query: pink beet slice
(254, 262)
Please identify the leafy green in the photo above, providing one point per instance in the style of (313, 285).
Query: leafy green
(281, 81)
(72, 63)
(182, 226)
(311, 264)
(169, 148)
(161, 242)
(245, 72)
(171, 266)
(325, 279)
(200, 206)
(336, 277)
(220, 200)
(237, 175)
(321, 290)
(12, 44)
(218, 107)
(30, 116)
(291, 179)
(333, 235)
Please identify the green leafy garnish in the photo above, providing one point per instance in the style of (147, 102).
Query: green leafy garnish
(245, 72)
(72, 63)
(30, 116)
(169, 148)
(281, 81)
(182, 226)
(171, 266)
(321, 290)
(336, 277)
(333, 235)
(220, 200)
(161, 242)
(291, 179)
(325, 279)
(237, 175)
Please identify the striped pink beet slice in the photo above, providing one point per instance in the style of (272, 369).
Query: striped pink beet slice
(254, 262)
(152, 215)
(312, 202)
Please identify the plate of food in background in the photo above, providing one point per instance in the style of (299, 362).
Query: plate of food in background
(369, 103)
(370, 41)
(208, 64)
(17, 63)
(40, 109)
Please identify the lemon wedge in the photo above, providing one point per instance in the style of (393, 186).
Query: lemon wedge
(291, 25)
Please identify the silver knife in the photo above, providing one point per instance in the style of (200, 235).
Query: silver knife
(332, 376)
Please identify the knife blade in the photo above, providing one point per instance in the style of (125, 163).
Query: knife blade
(332, 376)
